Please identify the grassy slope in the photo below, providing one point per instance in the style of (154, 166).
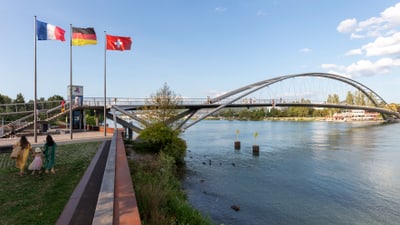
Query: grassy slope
(39, 199)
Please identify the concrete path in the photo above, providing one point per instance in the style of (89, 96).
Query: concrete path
(84, 136)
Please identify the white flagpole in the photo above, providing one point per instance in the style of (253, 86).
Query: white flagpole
(105, 83)
(70, 83)
(35, 95)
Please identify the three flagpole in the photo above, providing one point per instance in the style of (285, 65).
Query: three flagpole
(70, 86)
(35, 95)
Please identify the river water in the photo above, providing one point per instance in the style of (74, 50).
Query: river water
(306, 172)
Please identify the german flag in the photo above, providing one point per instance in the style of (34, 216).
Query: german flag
(83, 36)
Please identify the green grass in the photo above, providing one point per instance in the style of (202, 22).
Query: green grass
(40, 198)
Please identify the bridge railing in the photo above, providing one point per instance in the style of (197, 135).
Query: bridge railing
(48, 106)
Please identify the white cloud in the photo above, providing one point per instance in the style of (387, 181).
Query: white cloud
(383, 46)
(305, 50)
(365, 67)
(371, 27)
(385, 34)
(354, 52)
(392, 15)
(356, 36)
(347, 26)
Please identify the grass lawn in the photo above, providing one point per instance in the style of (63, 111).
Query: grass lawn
(40, 198)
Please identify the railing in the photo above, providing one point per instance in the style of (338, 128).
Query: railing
(49, 106)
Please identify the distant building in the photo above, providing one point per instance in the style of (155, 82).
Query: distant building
(355, 115)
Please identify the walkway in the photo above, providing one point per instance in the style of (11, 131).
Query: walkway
(84, 136)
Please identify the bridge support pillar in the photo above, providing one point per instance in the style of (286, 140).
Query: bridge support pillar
(130, 134)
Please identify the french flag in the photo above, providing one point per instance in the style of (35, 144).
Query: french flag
(47, 31)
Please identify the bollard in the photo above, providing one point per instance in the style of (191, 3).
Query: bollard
(256, 150)
(237, 145)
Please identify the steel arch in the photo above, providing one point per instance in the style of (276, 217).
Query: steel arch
(364, 89)
(371, 95)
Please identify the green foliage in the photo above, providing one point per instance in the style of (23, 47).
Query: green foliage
(159, 194)
(162, 106)
(5, 99)
(90, 120)
(160, 138)
(55, 98)
(20, 98)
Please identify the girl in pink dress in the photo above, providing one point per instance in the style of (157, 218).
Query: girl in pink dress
(36, 164)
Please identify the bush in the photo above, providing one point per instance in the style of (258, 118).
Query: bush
(158, 138)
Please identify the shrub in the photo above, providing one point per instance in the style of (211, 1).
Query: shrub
(158, 138)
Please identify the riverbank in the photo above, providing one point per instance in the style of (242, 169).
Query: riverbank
(158, 190)
(300, 119)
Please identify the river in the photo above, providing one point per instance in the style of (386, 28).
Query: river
(306, 172)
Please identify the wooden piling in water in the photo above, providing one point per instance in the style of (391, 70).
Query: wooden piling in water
(256, 150)
(237, 145)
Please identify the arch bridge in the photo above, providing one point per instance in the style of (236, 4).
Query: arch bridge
(127, 111)
(235, 98)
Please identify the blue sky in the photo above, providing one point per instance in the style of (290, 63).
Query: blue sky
(200, 48)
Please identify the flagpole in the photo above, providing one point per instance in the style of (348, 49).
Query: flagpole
(35, 101)
(70, 83)
(105, 83)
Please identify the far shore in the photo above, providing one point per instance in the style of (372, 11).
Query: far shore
(304, 119)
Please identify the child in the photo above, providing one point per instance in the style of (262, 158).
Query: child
(37, 162)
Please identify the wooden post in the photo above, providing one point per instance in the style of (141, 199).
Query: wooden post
(256, 150)
(237, 145)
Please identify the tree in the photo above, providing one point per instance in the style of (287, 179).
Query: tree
(162, 106)
(19, 99)
(160, 136)
(55, 98)
(349, 98)
(54, 101)
(359, 98)
(5, 99)
(333, 99)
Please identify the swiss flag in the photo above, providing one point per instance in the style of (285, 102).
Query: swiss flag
(118, 43)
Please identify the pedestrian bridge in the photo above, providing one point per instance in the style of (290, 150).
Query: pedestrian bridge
(314, 90)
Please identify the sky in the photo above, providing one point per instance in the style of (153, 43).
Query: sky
(199, 48)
